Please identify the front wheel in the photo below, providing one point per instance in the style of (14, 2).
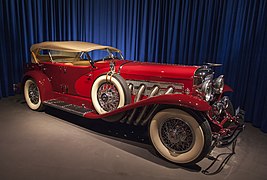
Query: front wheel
(179, 137)
(32, 95)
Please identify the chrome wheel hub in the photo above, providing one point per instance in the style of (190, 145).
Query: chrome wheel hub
(108, 97)
(33, 93)
(176, 135)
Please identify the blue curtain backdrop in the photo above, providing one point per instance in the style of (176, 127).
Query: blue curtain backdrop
(233, 33)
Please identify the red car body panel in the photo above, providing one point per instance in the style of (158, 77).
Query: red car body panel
(42, 81)
(159, 72)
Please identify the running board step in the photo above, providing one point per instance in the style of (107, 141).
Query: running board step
(71, 108)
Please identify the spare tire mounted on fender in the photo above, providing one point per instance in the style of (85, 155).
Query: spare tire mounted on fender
(110, 92)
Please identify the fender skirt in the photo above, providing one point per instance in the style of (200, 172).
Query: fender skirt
(182, 100)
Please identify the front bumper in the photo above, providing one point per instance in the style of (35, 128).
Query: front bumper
(228, 135)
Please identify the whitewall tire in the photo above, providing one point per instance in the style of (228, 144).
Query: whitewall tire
(179, 137)
(32, 95)
(109, 93)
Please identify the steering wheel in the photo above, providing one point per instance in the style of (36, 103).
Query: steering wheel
(108, 57)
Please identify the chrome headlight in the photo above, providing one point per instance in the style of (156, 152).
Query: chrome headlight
(202, 74)
(218, 84)
(207, 90)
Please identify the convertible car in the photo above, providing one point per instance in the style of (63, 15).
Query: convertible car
(184, 107)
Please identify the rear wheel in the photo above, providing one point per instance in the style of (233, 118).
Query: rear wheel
(32, 95)
(179, 137)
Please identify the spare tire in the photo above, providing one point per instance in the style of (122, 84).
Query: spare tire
(110, 92)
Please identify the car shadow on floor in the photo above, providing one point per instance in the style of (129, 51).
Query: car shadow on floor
(123, 134)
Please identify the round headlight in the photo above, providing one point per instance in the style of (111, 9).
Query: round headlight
(207, 90)
(218, 84)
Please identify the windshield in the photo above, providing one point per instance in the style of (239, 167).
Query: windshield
(99, 55)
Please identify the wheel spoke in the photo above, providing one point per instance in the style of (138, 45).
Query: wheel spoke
(176, 135)
(33, 93)
(108, 97)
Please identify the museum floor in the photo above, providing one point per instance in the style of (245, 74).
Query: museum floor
(58, 145)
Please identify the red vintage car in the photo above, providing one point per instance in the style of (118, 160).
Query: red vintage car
(184, 107)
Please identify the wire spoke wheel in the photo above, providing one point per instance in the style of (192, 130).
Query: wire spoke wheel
(176, 135)
(108, 97)
(32, 95)
(179, 136)
(109, 93)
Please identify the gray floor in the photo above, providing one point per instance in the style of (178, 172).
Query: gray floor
(58, 145)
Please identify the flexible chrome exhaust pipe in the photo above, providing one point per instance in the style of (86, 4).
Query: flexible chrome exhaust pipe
(153, 93)
(131, 87)
(154, 108)
(136, 99)
(170, 90)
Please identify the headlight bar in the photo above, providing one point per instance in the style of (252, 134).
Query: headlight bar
(207, 90)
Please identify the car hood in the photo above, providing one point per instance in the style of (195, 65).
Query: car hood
(156, 71)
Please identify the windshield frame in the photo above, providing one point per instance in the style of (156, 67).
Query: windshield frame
(110, 55)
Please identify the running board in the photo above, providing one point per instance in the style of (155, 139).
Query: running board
(71, 108)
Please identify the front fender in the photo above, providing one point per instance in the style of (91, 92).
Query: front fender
(182, 100)
(42, 81)
(227, 88)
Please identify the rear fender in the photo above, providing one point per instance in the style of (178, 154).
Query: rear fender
(42, 82)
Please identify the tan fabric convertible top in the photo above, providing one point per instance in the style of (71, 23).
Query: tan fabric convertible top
(70, 46)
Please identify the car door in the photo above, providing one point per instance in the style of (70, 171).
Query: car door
(54, 72)
(77, 80)
(51, 69)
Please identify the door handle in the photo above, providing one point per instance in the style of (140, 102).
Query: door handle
(88, 76)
